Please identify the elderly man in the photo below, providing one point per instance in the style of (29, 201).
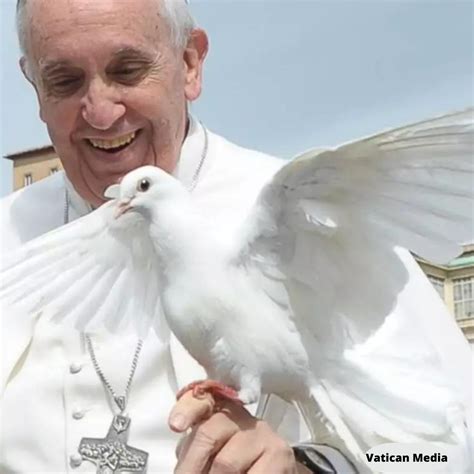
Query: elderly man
(113, 79)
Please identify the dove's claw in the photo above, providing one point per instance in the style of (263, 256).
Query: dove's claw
(217, 389)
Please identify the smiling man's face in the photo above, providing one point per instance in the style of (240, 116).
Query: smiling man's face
(111, 85)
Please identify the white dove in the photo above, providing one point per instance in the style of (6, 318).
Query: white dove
(272, 309)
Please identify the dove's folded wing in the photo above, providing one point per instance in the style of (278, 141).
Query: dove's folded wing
(92, 272)
(328, 223)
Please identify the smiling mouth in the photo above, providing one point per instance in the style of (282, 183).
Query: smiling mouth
(114, 145)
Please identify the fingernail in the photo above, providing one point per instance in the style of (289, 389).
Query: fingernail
(179, 422)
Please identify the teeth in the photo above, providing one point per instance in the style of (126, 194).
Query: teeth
(115, 143)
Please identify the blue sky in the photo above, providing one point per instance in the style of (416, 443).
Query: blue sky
(283, 76)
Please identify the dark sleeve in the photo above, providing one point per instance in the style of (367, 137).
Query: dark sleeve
(323, 459)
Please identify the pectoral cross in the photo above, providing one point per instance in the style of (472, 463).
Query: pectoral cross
(111, 454)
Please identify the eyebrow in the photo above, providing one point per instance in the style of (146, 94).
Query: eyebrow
(50, 67)
(53, 66)
(129, 52)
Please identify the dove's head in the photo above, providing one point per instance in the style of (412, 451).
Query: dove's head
(145, 188)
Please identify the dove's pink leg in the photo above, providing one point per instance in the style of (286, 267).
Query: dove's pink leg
(217, 389)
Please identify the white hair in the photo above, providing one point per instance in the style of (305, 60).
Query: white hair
(176, 13)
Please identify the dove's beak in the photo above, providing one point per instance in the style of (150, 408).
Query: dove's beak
(123, 207)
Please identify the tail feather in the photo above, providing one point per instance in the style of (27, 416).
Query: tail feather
(326, 426)
(354, 412)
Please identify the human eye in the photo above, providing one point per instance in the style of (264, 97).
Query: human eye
(66, 85)
(63, 83)
(129, 72)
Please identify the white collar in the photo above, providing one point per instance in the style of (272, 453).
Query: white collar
(189, 160)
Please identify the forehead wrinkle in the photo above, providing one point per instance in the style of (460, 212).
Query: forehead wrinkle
(69, 16)
(48, 66)
(72, 18)
(148, 34)
(143, 48)
(119, 14)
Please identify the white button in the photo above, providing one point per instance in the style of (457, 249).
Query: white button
(75, 368)
(75, 460)
(78, 414)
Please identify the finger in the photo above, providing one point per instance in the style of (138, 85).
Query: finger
(182, 443)
(238, 454)
(189, 410)
(281, 461)
(205, 441)
(276, 463)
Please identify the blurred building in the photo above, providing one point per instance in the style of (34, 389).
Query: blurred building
(454, 282)
(30, 166)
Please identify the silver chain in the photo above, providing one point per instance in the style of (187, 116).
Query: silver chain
(66, 206)
(121, 401)
(205, 149)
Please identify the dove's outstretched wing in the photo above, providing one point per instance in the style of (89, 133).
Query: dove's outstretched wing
(95, 271)
(323, 235)
(327, 224)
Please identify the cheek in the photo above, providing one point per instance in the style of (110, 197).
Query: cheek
(164, 108)
(165, 92)
(60, 118)
(158, 101)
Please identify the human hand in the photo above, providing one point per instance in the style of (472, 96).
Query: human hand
(229, 440)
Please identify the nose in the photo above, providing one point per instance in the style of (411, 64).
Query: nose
(101, 105)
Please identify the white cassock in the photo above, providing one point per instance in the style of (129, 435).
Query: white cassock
(52, 396)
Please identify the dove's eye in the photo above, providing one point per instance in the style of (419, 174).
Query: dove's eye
(143, 185)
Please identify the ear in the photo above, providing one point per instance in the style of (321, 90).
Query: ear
(28, 76)
(194, 56)
(24, 69)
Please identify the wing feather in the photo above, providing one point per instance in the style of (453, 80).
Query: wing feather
(72, 297)
(94, 271)
(330, 222)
